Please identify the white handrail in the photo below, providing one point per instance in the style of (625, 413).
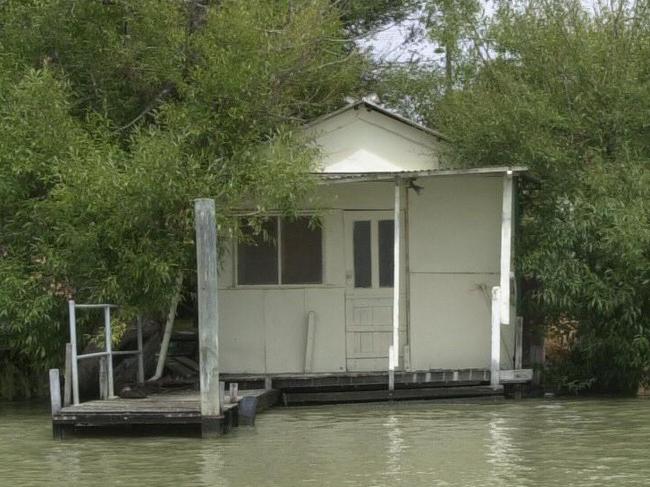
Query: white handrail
(108, 347)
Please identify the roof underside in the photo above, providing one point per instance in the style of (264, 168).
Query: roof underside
(391, 176)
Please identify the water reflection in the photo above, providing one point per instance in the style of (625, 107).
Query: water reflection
(527, 443)
(395, 445)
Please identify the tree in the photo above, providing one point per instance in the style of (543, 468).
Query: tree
(565, 92)
(115, 115)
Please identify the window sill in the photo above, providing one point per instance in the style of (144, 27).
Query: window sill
(252, 287)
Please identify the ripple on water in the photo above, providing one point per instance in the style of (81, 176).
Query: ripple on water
(529, 443)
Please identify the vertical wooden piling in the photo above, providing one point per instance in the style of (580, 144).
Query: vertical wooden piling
(519, 342)
(55, 401)
(67, 376)
(140, 351)
(233, 392)
(55, 391)
(206, 263)
(103, 382)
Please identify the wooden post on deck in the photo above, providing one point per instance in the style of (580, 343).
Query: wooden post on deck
(495, 354)
(206, 271)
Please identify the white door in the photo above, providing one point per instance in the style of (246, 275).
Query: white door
(369, 290)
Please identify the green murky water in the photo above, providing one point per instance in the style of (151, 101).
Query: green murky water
(527, 443)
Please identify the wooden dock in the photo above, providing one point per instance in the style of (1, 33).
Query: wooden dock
(179, 408)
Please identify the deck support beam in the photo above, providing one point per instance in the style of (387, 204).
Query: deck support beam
(393, 353)
(206, 262)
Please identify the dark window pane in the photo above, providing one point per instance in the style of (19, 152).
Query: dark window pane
(257, 255)
(386, 252)
(362, 256)
(302, 252)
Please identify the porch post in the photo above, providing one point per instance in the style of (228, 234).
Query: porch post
(506, 250)
(393, 355)
(206, 271)
(495, 352)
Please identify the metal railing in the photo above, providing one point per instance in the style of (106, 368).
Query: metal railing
(108, 352)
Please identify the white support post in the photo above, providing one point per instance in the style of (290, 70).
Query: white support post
(506, 247)
(140, 350)
(393, 359)
(73, 347)
(108, 337)
(206, 263)
(495, 354)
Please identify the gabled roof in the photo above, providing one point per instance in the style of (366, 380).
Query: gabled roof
(372, 106)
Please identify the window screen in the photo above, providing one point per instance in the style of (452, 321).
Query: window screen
(302, 252)
(257, 256)
(386, 252)
(362, 254)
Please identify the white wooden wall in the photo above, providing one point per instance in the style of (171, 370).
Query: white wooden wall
(363, 140)
(454, 261)
(455, 226)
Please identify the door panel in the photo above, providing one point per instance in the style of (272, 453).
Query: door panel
(369, 306)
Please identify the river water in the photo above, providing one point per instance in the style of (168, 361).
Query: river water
(505, 443)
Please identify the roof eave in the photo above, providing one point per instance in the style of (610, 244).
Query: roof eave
(390, 176)
(373, 106)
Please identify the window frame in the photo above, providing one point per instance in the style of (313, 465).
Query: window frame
(280, 285)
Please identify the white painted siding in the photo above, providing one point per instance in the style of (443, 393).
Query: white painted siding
(455, 226)
(454, 261)
(362, 140)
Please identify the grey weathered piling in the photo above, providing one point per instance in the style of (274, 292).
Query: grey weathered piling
(55, 401)
(55, 391)
(206, 267)
(67, 376)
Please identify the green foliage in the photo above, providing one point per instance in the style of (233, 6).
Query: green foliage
(566, 92)
(115, 115)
